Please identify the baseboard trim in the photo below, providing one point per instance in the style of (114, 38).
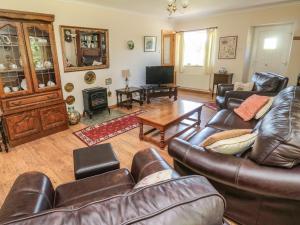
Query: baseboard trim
(194, 90)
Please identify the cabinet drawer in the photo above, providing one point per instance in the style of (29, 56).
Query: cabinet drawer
(23, 125)
(54, 116)
(10, 104)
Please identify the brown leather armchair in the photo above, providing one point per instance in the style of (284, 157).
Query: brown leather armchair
(111, 199)
(269, 84)
(262, 185)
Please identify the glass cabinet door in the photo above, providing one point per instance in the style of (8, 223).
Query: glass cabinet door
(42, 56)
(14, 72)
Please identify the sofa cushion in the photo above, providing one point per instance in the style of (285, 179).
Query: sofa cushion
(94, 188)
(248, 109)
(198, 137)
(278, 143)
(227, 120)
(224, 135)
(232, 146)
(154, 178)
(264, 109)
(265, 82)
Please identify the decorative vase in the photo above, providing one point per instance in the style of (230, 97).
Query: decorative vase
(73, 116)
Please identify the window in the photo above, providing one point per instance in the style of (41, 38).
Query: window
(270, 43)
(194, 48)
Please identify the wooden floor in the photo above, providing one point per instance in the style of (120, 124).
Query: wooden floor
(52, 155)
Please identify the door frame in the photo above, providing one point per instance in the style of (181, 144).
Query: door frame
(172, 35)
(253, 49)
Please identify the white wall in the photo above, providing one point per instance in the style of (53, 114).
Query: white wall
(122, 25)
(240, 23)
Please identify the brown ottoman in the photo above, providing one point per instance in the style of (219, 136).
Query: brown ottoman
(94, 160)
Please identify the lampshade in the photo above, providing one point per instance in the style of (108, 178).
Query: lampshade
(125, 73)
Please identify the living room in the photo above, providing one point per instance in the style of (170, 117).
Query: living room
(150, 112)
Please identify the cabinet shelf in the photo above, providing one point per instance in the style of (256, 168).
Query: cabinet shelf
(11, 71)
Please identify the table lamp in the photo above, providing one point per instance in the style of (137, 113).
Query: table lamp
(126, 75)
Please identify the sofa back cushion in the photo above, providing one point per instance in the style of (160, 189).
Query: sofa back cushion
(278, 142)
(266, 82)
(187, 200)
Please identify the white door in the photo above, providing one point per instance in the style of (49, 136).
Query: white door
(271, 49)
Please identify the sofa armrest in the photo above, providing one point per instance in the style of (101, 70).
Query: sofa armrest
(223, 88)
(31, 193)
(233, 103)
(243, 95)
(237, 172)
(147, 162)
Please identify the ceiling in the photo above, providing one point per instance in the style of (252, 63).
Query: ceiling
(200, 7)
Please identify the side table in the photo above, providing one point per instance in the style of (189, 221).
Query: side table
(129, 96)
(221, 78)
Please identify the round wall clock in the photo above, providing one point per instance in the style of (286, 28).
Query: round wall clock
(69, 87)
(70, 99)
(90, 77)
(130, 44)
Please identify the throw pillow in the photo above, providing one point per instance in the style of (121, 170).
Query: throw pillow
(224, 135)
(154, 178)
(264, 109)
(234, 145)
(248, 109)
(238, 86)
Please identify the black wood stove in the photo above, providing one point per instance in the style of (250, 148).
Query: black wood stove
(94, 100)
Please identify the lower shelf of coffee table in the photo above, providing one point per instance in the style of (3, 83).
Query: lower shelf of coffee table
(182, 129)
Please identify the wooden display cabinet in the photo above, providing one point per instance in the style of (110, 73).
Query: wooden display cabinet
(30, 87)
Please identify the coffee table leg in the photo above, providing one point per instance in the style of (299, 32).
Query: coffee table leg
(162, 139)
(141, 131)
(199, 118)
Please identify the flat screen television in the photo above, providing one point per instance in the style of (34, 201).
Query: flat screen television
(159, 75)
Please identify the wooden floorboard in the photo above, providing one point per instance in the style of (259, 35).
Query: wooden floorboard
(52, 155)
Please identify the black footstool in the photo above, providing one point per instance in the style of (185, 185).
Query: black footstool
(94, 160)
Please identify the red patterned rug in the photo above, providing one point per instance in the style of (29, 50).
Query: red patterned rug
(211, 105)
(100, 132)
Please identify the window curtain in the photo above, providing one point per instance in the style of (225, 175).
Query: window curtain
(209, 51)
(180, 52)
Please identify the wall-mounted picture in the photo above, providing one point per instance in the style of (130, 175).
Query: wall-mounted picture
(150, 43)
(227, 47)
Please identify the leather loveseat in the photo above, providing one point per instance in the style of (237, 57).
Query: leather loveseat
(262, 185)
(110, 199)
(269, 84)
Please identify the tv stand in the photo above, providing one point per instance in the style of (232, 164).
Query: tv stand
(155, 91)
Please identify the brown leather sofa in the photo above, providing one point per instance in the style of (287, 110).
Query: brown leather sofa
(269, 84)
(110, 199)
(262, 185)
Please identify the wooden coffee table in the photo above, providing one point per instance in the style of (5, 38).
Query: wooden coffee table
(175, 115)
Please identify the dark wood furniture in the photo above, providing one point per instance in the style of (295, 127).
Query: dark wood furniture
(155, 91)
(84, 48)
(298, 80)
(3, 138)
(175, 117)
(94, 100)
(221, 78)
(30, 88)
(129, 93)
(94, 160)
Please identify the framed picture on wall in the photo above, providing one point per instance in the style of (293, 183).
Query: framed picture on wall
(227, 47)
(150, 43)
